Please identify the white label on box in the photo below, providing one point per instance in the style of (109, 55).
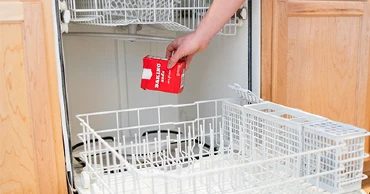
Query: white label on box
(147, 74)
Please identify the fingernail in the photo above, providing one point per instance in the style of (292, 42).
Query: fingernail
(169, 66)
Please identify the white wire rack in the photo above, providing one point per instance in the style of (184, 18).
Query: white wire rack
(323, 134)
(296, 131)
(278, 130)
(173, 15)
(217, 146)
(194, 159)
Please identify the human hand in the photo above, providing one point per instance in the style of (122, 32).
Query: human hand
(185, 48)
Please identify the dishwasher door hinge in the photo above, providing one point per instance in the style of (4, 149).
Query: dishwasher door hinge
(65, 16)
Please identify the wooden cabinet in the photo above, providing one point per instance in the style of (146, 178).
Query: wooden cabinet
(316, 57)
(31, 149)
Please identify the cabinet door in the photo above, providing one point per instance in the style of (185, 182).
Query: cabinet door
(31, 150)
(315, 57)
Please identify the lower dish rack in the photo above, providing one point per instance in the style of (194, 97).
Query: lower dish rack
(236, 145)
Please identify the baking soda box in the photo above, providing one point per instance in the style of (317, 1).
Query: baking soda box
(156, 76)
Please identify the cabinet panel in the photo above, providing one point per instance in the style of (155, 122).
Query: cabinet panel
(17, 154)
(315, 57)
(29, 153)
(317, 79)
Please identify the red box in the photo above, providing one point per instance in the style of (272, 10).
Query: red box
(156, 76)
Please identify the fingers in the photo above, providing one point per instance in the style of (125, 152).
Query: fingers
(188, 60)
(177, 50)
(173, 60)
(173, 46)
(170, 49)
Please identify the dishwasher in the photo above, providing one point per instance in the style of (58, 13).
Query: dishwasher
(216, 136)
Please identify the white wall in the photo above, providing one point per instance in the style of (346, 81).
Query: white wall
(104, 74)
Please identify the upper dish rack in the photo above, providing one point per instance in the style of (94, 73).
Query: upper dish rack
(173, 15)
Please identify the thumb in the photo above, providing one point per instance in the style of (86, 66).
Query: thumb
(173, 60)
